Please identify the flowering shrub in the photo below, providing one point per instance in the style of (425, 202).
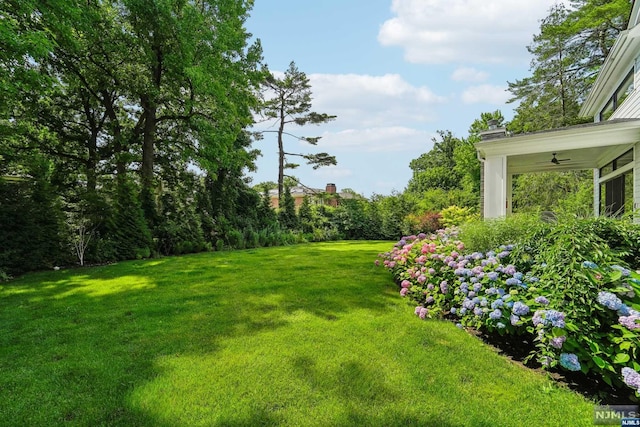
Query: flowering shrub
(587, 323)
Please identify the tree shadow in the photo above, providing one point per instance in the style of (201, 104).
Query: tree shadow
(80, 335)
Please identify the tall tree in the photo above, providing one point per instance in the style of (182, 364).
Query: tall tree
(289, 102)
(436, 168)
(549, 98)
(567, 54)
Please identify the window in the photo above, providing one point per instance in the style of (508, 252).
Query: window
(621, 93)
(616, 193)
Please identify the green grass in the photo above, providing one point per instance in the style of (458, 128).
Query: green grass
(309, 335)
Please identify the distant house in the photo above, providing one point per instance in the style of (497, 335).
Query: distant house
(329, 196)
(610, 146)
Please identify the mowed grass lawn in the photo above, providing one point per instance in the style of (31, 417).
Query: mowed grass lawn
(306, 335)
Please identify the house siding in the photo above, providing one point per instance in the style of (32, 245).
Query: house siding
(630, 108)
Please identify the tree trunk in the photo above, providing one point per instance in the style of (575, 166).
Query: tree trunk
(281, 155)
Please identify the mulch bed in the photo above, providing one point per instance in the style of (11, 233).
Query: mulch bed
(518, 348)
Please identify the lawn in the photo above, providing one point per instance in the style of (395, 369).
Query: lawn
(306, 335)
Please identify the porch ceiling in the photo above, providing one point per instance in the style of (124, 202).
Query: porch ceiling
(588, 146)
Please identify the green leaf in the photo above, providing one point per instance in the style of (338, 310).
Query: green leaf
(626, 345)
(621, 358)
(598, 361)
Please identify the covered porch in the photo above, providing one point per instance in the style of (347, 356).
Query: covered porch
(608, 148)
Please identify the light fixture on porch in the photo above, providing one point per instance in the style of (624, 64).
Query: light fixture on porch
(557, 161)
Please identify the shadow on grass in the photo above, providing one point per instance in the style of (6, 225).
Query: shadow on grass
(75, 343)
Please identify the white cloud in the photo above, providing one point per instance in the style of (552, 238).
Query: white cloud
(487, 94)
(469, 75)
(376, 140)
(476, 31)
(363, 100)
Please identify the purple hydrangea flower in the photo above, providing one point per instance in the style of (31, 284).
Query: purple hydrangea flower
(542, 300)
(403, 292)
(429, 300)
(630, 322)
(631, 378)
(423, 313)
(557, 341)
(405, 284)
(417, 310)
(609, 300)
(444, 287)
(570, 361)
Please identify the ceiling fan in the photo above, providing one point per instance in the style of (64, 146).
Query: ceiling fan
(557, 161)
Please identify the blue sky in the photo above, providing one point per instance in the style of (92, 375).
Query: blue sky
(394, 72)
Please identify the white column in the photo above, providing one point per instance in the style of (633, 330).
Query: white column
(495, 187)
(596, 193)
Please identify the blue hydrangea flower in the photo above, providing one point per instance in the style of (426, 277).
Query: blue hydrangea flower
(589, 264)
(520, 309)
(623, 270)
(518, 275)
(495, 314)
(514, 319)
(484, 302)
(570, 361)
(478, 311)
(500, 325)
(477, 287)
(609, 300)
(468, 304)
(463, 311)
(512, 281)
(459, 325)
(453, 310)
(493, 276)
(549, 318)
(497, 304)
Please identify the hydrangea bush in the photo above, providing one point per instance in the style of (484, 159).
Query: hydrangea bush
(581, 316)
